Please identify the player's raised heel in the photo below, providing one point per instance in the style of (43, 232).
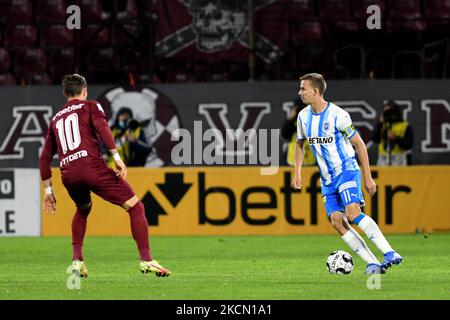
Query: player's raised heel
(155, 267)
(79, 267)
(373, 268)
(391, 258)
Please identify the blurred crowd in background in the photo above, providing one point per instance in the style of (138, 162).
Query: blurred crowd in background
(167, 41)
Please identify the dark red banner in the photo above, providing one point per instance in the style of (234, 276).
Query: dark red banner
(218, 29)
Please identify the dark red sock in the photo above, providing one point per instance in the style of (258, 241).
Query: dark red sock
(79, 223)
(139, 229)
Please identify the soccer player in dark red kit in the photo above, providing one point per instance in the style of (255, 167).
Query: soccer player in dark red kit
(75, 132)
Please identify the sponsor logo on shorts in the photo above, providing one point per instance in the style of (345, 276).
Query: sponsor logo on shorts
(347, 185)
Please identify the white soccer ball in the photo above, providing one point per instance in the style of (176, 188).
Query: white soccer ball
(340, 262)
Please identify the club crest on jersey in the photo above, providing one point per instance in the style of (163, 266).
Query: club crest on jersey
(326, 126)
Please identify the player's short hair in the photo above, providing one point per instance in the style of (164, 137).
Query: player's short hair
(317, 81)
(73, 84)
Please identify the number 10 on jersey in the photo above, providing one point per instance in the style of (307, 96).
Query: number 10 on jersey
(69, 132)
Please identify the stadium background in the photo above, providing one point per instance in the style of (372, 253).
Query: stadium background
(226, 232)
(198, 66)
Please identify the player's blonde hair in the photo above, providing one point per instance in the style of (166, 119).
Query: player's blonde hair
(317, 81)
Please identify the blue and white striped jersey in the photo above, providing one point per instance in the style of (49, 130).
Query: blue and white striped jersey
(329, 134)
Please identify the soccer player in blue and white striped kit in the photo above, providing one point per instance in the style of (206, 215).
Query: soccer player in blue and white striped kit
(330, 133)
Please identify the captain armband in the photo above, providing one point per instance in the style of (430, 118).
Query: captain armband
(350, 131)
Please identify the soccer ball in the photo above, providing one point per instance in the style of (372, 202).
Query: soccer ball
(340, 262)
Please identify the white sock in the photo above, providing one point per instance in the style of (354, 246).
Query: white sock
(357, 244)
(363, 243)
(374, 233)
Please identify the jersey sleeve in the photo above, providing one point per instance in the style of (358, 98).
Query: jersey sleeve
(101, 125)
(344, 124)
(300, 134)
(47, 153)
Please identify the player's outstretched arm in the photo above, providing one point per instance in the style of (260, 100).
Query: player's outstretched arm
(361, 149)
(298, 161)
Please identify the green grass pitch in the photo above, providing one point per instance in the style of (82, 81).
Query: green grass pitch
(220, 267)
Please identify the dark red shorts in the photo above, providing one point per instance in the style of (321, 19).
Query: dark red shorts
(101, 181)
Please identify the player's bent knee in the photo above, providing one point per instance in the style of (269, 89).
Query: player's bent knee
(86, 206)
(352, 211)
(85, 209)
(336, 220)
(130, 203)
(337, 225)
